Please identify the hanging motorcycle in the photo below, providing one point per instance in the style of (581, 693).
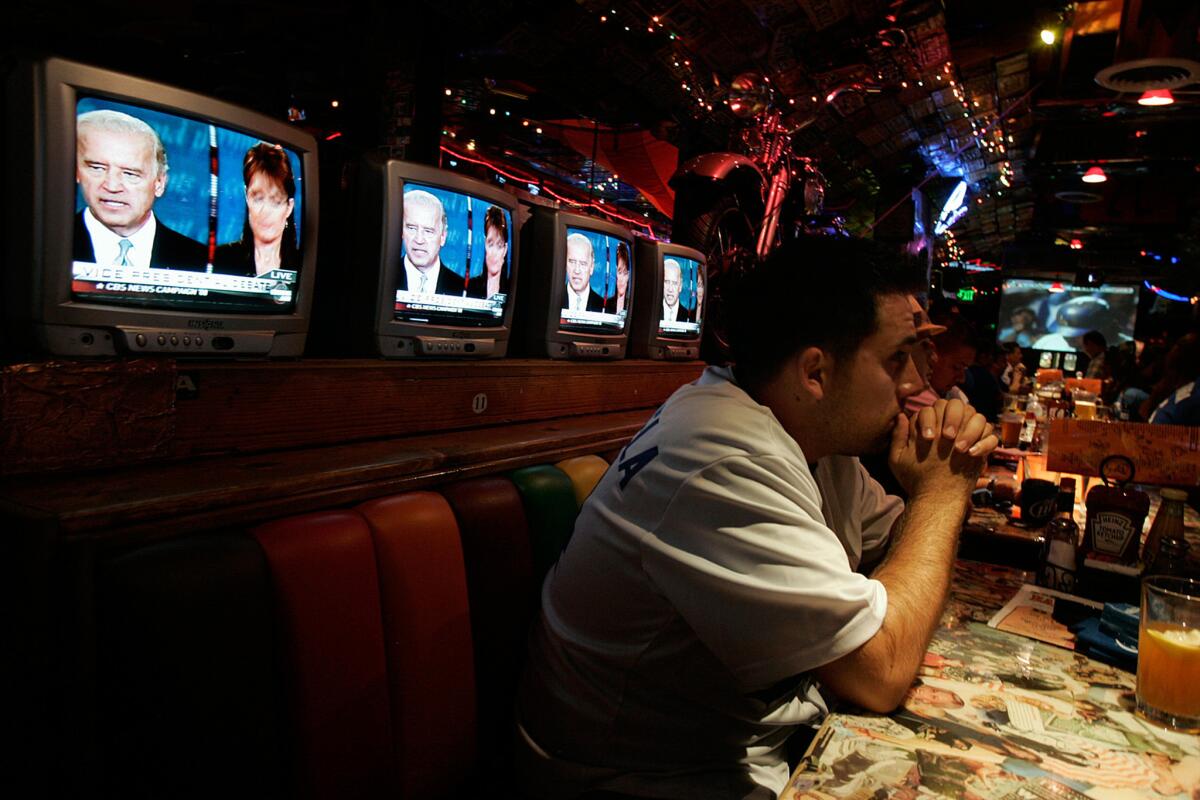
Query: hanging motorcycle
(736, 208)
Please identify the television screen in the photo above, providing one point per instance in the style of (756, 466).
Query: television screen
(456, 258)
(599, 268)
(1049, 315)
(177, 213)
(683, 297)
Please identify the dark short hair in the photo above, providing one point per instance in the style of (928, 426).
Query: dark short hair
(494, 218)
(1009, 347)
(814, 291)
(1096, 338)
(622, 255)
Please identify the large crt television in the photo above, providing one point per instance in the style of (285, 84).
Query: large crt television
(670, 311)
(153, 220)
(579, 286)
(1054, 316)
(436, 268)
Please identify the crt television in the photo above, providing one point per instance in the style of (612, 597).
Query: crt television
(670, 310)
(1054, 316)
(579, 286)
(437, 274)
(158, 221)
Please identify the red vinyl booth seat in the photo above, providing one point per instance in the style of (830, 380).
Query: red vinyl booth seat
(327, 588)
(427, 627)
(503, 598)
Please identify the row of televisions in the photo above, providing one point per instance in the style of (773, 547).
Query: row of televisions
(163, 221)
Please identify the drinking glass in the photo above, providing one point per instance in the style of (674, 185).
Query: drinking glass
(1168, 676)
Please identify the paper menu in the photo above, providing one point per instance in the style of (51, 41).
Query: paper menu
(1161, 454)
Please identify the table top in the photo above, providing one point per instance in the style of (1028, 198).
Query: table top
(998, 716)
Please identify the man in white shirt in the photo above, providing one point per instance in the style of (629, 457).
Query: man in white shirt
(713, 598)
(424, 235)
(672, 281)
(121, 169)
(580, 263)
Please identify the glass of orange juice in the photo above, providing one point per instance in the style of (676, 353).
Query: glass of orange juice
(1168, 676)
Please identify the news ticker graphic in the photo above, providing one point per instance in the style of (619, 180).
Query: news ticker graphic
(86, 277)
(679, 327)
(593, 318)
(449, 304)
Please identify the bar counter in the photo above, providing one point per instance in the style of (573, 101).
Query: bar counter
(998, 716)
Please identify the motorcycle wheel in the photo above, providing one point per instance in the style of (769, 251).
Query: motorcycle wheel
(725, 234)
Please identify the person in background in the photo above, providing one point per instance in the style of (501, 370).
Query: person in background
(672, 281)
(1022, 328)
(424, 235)
(713, 598)
(923, 355)
(269, 233)
(622, 276)
(121, 169)
(580, 263)
(981, 384)
(955, 352)
(698, 310)
(1012, 379)
(1095, 345)
(495, 256)
(1181, 385)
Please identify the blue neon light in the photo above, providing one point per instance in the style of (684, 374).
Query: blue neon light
(953, 210)
(1164, 293)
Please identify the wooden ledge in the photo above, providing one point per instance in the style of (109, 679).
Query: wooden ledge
(61, 416)
(148, 502)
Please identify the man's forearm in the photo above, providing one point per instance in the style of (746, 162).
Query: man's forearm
(916, 574)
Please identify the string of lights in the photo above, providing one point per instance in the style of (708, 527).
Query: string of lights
(537, 186)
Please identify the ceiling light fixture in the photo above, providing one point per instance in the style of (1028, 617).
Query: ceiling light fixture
(1094, 175)
(1156, 97)
(1048, 36)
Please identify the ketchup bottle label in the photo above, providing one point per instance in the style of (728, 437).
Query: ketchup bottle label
(1111, 532)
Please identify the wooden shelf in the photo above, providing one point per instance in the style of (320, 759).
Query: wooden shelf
(87, 415)
(147, 502)
(112, 452)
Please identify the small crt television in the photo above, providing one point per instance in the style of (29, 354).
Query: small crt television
(438, 277)
(158, 221)
(668, 320)
(578, 291)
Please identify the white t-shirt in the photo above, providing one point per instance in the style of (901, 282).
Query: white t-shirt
(709, 571)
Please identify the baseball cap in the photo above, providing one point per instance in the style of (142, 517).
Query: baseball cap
(925, 328)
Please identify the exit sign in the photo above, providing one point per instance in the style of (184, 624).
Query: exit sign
(966, 295)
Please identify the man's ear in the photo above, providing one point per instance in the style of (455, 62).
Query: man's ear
(812, 367)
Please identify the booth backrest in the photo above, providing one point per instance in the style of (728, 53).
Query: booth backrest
(427, 625)
(585, 472)
(503, 597)
(549, 500)
(327, 588)
(352, 653)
